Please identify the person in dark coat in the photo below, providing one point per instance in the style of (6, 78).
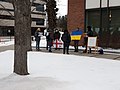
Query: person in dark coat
(89, 34)
(66, 41)
(50, 38)
(56, 36)
(38, 36)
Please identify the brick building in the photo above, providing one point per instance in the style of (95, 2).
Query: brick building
(76, 14)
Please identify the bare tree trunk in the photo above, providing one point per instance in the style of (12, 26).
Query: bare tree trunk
(22, 35)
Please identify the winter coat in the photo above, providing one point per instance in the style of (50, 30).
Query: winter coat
(50, 39)
(57, 35)
(66, 38)
(90, 33)
(38, 36)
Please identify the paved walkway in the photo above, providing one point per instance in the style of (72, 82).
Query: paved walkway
(112, 56)
(4, 48)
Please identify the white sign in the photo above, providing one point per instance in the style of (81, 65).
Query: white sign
(92, 41)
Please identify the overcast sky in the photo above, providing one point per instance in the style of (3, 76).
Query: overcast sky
(62, 5)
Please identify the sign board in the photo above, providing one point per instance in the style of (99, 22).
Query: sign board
(92, 41)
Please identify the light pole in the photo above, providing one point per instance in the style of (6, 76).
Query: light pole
(100, 33)
(108, 14)
(108, 23)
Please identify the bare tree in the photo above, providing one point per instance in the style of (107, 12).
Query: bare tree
(22, 12)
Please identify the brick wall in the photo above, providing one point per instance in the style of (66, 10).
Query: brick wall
(75, 14)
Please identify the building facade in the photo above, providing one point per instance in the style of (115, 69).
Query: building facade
(38, 16)
(105, 21)
(76, 14)
(109, 33)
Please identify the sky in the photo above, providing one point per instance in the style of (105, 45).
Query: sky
(62, 5)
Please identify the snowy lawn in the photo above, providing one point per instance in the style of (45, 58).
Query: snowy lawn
(50, 71)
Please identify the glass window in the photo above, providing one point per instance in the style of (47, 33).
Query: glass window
(40, 22)
(40, 8)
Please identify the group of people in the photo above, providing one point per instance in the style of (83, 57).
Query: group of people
(50, 36)
(66, 38)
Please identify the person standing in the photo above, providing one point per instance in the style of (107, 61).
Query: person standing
(76, 42)
(50, 38)
(46, 34)
(89, 34)
(56, 37)
(38, 35)
(57, 34)
(66, 41)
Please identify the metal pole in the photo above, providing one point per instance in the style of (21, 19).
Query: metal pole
(100, 32)
(108, 24)
(100, 16)
(108, 13)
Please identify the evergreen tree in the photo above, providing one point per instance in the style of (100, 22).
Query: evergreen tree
(51, 13)
(62, 22)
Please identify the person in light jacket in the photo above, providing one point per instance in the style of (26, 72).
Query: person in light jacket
(38, 35)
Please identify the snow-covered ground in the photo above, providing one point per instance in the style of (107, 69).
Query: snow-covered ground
(50, 71)
(6, 42)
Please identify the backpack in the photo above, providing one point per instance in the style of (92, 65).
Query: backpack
(101, 51)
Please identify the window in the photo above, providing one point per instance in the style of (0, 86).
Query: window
(4, 0)
(40, 8)
(40, 22)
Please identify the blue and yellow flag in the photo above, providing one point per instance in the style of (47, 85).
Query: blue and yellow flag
(76, 35)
